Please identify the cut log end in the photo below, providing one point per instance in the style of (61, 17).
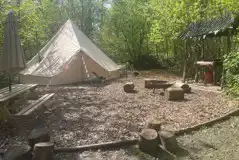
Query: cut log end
(43, 151)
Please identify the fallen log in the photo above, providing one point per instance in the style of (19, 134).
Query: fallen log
(43, 151)
(234, 112)
(148, 140)
(18, 153)
(109, 145)
(38, 135)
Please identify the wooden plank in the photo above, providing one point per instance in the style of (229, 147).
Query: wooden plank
(39, 104)
(14, 87)
(31, 105)
(8, 93)
(12, 94)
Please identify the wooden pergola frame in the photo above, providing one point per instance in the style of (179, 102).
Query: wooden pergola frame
(223, 26)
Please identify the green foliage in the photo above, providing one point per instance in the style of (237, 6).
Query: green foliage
(231, 64)
(124, 34)
(142, 33)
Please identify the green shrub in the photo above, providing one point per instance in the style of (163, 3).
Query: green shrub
(231, 64)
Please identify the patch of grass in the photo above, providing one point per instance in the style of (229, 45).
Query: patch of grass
(220, 142)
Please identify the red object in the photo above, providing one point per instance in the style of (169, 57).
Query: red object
(208, 76)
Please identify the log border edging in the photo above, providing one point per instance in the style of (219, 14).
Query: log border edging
(234, 112)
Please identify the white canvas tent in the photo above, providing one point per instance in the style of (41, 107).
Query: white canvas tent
(69, 57)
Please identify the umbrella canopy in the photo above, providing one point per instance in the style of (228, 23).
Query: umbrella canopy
(12, 58)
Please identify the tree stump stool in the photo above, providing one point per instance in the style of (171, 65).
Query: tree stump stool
(148, 140)
(184, 86)
(18, 153)
(174, 94)
(43, 151)
(168, 140)
(154, 124)
(39, 135)
(129, 87)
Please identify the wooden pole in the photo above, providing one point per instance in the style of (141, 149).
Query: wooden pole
(185, 62)
(10, 82)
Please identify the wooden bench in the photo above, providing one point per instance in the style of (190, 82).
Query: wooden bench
(17, 89)
(37, 104)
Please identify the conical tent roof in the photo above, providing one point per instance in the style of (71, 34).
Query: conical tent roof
(62, 49)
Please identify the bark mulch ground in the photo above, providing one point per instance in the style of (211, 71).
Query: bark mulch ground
(86, 114)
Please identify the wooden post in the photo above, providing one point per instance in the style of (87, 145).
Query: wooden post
(214, 74)
(185, 62)
(196, 72)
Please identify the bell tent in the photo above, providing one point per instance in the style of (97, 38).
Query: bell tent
(69, 57)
